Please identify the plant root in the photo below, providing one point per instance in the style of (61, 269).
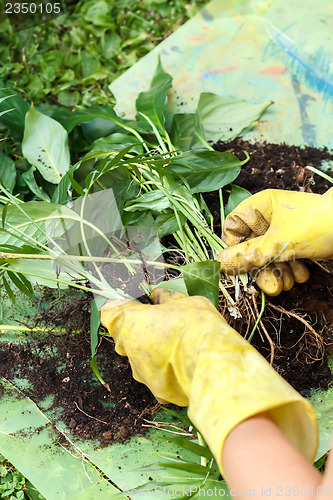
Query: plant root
(319, 343)
(167, 427)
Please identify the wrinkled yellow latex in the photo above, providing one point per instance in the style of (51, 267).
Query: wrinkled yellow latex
(280, 225)
(187, 354)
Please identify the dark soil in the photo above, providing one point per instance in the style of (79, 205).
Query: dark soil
(59, 364)
(298, 356)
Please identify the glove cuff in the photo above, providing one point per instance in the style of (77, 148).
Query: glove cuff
(232, 391)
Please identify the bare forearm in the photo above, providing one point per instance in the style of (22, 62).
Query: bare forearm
(259, 461)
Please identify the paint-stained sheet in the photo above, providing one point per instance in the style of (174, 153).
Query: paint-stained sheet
(257, 50)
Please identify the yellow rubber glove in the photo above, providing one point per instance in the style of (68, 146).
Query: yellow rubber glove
(187, 354)
(280, 225)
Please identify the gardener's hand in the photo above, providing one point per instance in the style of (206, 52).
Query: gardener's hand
(187, 354)
(280, 225)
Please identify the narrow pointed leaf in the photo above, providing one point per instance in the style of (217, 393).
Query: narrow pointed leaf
(152, 103)
(197, 449)
(7, 172)
(13, 109)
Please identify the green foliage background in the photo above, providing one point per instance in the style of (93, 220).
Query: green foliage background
(71, 60)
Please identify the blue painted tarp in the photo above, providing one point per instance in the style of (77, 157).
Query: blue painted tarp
(257, 50)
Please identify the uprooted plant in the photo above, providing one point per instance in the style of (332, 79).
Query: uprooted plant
(98, 224)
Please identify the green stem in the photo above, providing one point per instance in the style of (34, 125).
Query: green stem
(181, 235)
(203, 460)
(259, 317)
(85, 258)
(222, 216)
(21, 328)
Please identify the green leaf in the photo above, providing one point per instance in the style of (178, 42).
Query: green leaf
(116, 142)
(86, 115)
(62, 193)
(90, 64)
(30, 181)
(166, 223)
(95, 321)
(180, 465)
(21, 283)
(9, 290)
(182, 130)
(225, 117)
(67, 98)
(76, 186)
(14, 119)
(152, 103)
(7, 172)
(45, 145)
(174, 285)
(97, 9)
(202, 278)
(31, 219)
(111, 44)
(206, 171)
(237, 194)
(43, 272)
(153, 200)
(199, 138)
(197, 449)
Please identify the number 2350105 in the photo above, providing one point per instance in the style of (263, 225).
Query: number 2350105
(32, 8)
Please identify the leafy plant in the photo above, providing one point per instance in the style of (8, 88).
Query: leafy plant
(13, 485)
(71, 60)
(137, 174)
(184, 476)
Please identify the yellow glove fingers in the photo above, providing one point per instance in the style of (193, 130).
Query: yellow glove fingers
(281, 276)
(270, 280)
(300, 271)
(285, 225)
(241, 258)
(161, 296)
(287, 275)
(275, 278)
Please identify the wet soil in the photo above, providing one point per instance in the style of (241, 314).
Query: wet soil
(299, 323)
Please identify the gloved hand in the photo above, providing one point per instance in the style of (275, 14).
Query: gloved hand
(280, 225)
(187, 354)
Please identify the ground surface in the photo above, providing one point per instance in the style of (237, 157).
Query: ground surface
(59, 364)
